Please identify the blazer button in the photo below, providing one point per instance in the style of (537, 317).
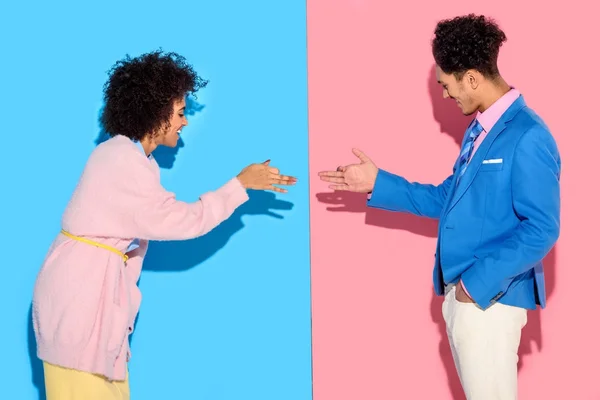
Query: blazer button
(496, 297)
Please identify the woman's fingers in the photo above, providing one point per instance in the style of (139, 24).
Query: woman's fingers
(270, 187)
(266, 177)
(282, 180)
(277, 189)
(276, 178)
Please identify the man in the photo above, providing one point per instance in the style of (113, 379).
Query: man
(498, 212)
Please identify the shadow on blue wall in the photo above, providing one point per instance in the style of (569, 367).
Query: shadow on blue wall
(173, 256)
(164, 156)
(37, 369)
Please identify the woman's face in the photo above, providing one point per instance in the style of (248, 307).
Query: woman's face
(170, 134)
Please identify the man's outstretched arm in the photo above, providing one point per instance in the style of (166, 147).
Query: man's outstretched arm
(394, 193)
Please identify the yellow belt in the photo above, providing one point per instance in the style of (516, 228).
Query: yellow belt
(124, 256)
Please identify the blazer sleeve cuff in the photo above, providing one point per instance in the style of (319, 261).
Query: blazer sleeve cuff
(385, 182)
(482, 293)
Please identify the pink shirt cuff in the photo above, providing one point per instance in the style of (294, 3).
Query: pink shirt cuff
(465, 289)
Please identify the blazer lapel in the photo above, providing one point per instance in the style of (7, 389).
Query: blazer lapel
(482, 151)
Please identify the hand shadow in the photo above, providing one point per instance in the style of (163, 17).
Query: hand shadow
(172, 256)
(164, 156)
(356, 203)
(175, 256)
(453, 123)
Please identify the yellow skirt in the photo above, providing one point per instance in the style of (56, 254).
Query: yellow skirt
(69, 384)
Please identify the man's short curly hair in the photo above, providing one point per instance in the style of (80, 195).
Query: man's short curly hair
(140, 92)
(468, 42)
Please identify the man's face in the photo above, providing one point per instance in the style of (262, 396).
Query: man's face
(458, 90)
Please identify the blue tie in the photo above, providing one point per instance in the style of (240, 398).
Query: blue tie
(474, 132)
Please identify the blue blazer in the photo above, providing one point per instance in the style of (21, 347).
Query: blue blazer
(497, 225)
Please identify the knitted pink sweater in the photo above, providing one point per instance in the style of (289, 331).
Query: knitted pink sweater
(85, 298)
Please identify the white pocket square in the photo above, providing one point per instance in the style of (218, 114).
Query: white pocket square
(493, 161)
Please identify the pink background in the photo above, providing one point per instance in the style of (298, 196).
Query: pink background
(378, 332)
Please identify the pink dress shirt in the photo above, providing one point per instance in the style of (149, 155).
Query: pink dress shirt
(488, 119)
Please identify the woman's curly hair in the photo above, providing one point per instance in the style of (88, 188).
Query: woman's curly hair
(140, 92)
(468, 42)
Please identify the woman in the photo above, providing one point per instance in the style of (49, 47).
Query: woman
(86, 296)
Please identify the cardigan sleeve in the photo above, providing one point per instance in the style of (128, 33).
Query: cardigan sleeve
(158, 215)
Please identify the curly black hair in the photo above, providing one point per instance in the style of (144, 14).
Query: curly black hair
(140, 92)
(468, 42)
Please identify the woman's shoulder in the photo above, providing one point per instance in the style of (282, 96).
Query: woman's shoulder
(119, 152)
(116, 143)
(119, 162)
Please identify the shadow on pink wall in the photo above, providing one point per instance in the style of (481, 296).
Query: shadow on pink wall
(452, 123)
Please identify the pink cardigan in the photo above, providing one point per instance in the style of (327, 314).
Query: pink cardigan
(85, 298)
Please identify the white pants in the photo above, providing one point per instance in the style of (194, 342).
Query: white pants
(485, 346)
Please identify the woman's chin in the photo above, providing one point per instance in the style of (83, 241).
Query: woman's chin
(172, 143)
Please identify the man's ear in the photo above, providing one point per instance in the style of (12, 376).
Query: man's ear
(473, 78)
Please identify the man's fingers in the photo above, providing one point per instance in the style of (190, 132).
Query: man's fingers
(361, 156)
(331, 174)
(332, 179)
(341, 168)
(339, 187)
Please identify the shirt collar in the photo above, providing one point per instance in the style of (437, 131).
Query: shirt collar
(489, 117)
(139, 145)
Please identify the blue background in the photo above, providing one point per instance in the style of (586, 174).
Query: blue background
(225, 316)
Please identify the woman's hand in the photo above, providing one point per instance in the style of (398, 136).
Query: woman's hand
(263, 177)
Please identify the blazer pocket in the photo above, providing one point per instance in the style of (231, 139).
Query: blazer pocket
(490, 167)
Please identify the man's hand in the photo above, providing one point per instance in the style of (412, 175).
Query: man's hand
(461, 296)
(354, 177)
